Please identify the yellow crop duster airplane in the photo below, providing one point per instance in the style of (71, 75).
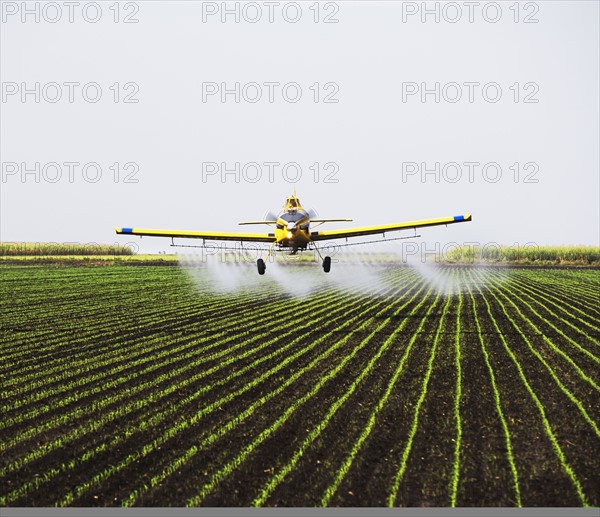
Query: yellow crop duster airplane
(292, 231)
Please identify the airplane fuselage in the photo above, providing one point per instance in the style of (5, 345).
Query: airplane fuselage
(292, 229)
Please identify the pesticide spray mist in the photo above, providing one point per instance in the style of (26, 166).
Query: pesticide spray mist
(295, 276)
(364, 272)
(447, 281)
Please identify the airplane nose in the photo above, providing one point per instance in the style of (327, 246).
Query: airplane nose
(291, 227)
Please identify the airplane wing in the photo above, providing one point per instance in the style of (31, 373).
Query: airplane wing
(372, 230)
(218, 236)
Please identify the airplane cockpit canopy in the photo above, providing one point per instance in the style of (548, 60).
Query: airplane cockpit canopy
(292, 204)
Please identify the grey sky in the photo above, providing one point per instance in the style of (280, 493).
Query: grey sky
(369, 133)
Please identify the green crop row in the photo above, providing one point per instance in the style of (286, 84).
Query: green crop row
(115, 371)
(325, 311)
(567, 468)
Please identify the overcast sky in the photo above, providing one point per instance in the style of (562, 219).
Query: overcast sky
(503, 99)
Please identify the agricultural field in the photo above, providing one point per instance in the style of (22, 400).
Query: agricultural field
(147, 386)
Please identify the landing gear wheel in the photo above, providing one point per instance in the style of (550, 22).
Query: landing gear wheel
(261, 266)
(327, 264)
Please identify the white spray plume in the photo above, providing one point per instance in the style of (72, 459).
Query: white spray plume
(361, 274)
(449, 281)
(358, 273)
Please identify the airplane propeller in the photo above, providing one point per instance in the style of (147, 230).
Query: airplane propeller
(270, 216)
